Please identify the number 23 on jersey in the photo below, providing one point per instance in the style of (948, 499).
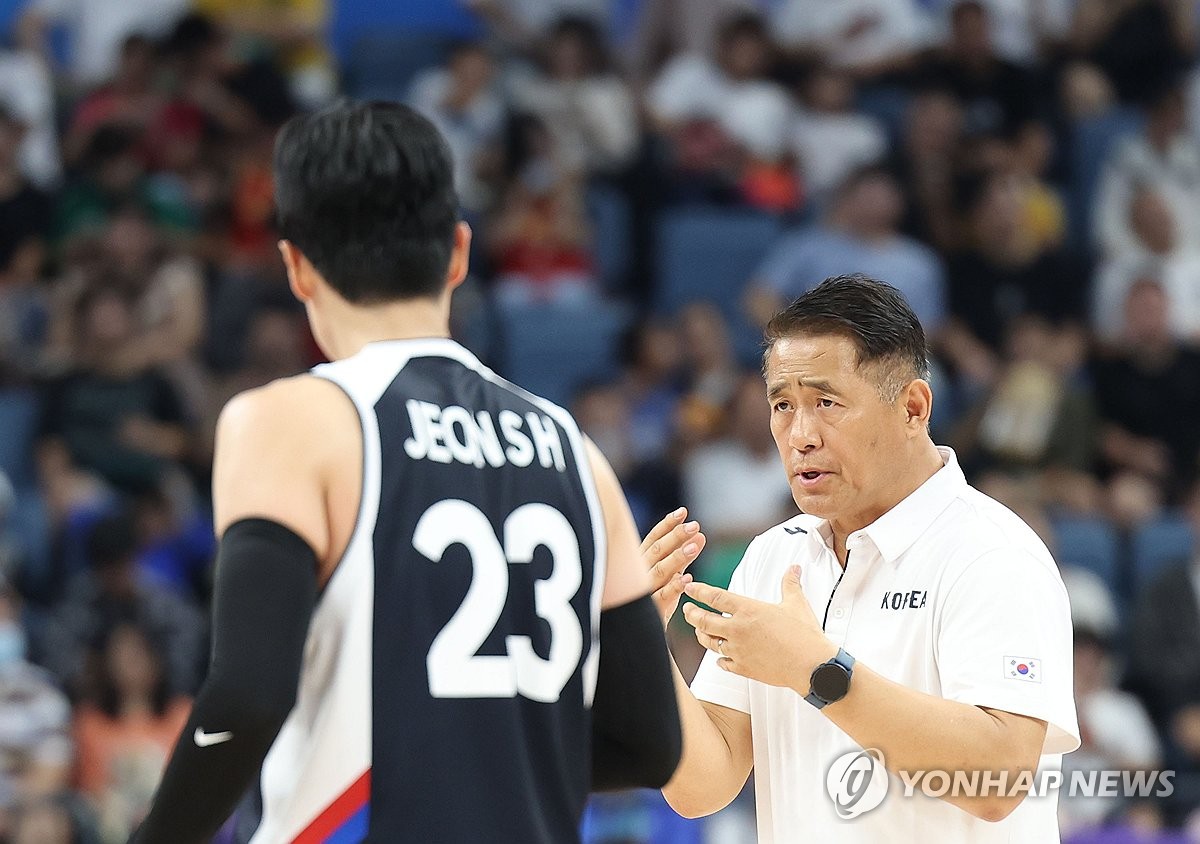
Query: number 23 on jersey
(455, 667)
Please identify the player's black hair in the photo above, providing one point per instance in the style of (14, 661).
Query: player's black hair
(366, 192)
(873, 315)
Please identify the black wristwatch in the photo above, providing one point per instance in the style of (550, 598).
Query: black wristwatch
(830, 681)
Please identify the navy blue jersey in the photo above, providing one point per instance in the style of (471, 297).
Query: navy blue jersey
(452, 658)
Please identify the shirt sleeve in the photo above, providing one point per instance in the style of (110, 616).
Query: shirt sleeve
(713, 683)
(1004, 642)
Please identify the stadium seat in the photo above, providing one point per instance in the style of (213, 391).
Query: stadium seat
(553, 349)
(382, 65)
(18, 427)
(709, 254)
(1159, 544)
(1093, 140)
(609, 213)
(1090, 544)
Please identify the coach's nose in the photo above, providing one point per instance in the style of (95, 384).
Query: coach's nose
(803, 435)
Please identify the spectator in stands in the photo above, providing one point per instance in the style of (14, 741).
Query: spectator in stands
(711, 371)
(1164, 656)
(1156, 257)
(1148, 395)
(112, 174)
(540, 237)
(125, 729)
(111, 415)
(585, 104)
(667, 28)
(998, 97)
(870, 38)
(719, 115)
(924, 166)
(35, 743)
(1163, 158)
(1021, 31)
(290, 33)
(24, 231)
(27, 93)
(112, 593)
(859, 234)
(1036, 416)
(131, 98)
(462, 101)
(732, 484)
(522, 23)
(652, 360)
(831, 140)
(1001, 271)
(96, 30)
(1116, 731)
(1137, 44)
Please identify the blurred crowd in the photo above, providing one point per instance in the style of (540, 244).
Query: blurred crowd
(648, 180)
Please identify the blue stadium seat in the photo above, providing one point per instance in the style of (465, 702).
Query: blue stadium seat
(710, 254)
(553, 350)
(18, 428)
(1093, 140)
(609, 212)
(1090, 544)
(351, 19)
(382, 65)
(1159, 544)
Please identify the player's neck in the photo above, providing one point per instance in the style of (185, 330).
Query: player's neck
(351, 327)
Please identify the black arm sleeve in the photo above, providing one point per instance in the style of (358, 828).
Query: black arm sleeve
(266, 589)
(636, 736)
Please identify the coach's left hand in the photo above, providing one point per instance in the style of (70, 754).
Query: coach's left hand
(778, 644)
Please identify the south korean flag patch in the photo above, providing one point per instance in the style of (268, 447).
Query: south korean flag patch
(1027, 669)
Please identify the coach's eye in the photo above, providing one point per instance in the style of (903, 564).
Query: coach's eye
(826, 403)
(781, 406)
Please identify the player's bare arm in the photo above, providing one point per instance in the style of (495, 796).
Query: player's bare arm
(284, 510)
(717, 748)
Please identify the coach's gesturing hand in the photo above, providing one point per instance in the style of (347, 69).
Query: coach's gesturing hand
(778, 644)
(668, 549)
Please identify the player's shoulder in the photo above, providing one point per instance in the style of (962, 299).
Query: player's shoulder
(301, 407)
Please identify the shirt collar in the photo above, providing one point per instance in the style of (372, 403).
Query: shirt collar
(895, 531)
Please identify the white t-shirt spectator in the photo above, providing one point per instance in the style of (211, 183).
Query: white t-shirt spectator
(1179, 276)
(27, 92)
(594, 119)
(466, 132)
(831, 146)
(756, 113)
(1174, 175)
(852, 32)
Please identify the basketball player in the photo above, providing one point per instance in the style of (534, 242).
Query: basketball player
(418, 559)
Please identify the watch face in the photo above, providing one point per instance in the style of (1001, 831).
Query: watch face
(830, 682)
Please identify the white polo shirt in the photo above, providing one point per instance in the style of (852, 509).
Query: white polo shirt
(949, 593)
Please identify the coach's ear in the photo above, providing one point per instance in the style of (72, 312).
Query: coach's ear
(300, 272)
(917, 399)
(460, 254)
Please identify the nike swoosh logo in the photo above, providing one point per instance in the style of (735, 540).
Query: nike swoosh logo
(204, 739)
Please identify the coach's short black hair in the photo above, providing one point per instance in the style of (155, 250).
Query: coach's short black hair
(873, 315)
(366, 192)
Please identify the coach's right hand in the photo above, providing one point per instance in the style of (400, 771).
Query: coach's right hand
(668, 549)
